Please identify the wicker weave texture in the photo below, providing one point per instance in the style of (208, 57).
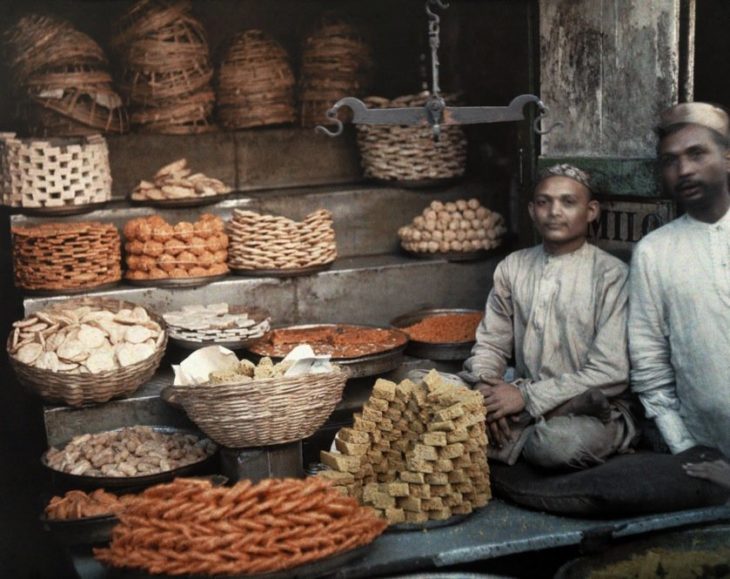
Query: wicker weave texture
(80, 389)
(63, 256)
(166, 65)
(336, 62)
(276, 242)
(255, 83)
(62, 75)
(36, 173)
(263, 412)
(410, 153)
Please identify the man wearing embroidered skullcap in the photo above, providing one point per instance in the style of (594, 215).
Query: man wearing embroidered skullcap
(560, 308)
(679, 323)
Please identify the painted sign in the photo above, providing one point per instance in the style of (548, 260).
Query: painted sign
(625, 220)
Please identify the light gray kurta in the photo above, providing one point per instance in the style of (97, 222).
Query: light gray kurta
(679, 328)
(565, 316)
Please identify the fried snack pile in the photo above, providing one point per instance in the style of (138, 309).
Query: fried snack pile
(78, 505)
(131, 451)
(453, 226)
(156, 249)
(85, 339)
(177, 181)
(247, 371)
(417, 452)
(190, 527)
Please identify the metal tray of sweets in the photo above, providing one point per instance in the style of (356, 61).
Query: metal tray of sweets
(67, 480)
(69, 291)
(453, 255)
(359, 366)
(257, 314)
(290, 272)
(434, 350)
(61, 211)
(181, 202)
(321, 568)
(176, 282)
(426, 526)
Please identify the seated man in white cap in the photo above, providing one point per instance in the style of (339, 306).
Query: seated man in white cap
(561, 308)
(679, 323)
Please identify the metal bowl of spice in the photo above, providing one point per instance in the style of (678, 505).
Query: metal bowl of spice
(440, 333)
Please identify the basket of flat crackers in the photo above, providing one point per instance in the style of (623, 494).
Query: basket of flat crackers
(157, 251)
(245, 404)
(87, 350)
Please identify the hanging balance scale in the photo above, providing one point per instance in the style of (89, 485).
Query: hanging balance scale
(435, 113)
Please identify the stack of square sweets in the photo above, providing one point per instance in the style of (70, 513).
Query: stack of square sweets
(417, 452)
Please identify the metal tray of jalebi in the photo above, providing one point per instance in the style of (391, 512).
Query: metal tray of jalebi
(312, 570)
(443, 351)
(67, 480)
(364, 359)
(288, 272)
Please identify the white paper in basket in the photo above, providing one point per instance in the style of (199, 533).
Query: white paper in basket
(196, 368)
(306, 362)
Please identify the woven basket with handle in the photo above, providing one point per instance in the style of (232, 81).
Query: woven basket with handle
(263, 412)
(88, 388)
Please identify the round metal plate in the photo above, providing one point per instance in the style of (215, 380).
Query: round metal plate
(454, 255)
(429, 350)
(408, 527)
(339, 360)
(179, 203)
(86, 531)
(73, 481)
(176, 282)
(294, 272)
(63, 211)
(69, 292)
(312, 570)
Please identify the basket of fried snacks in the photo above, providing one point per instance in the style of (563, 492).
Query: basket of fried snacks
(240, 404)
(87, 350)
(188, 527)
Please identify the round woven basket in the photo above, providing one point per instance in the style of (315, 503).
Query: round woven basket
(80, 389)
(402, 153)
(263, 412)
(255, 83)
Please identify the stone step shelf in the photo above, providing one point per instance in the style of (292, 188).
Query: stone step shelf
(366, 216)
(362, 290)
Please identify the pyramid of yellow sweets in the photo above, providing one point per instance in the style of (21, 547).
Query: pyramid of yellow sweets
(416, 452)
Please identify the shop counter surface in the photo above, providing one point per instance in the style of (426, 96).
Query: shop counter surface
(496, 530)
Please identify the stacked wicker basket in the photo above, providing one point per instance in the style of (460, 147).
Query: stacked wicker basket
(63, 75)
(270, 242)
(66, 256)
(166, 67)
(409, 154)
(255, 83)
(336, 62)
(42, 174)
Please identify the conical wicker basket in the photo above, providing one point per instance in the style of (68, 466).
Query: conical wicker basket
(255, 83)
(263, 412)
(81, 389)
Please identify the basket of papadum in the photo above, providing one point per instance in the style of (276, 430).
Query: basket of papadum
(87, 350)
(240, 404)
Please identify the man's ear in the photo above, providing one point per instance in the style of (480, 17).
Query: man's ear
(531, 210)
(594, 210)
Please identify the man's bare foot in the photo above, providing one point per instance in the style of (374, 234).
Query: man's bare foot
(717, 471)
(590, 403)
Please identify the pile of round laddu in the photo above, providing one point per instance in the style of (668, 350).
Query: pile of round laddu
(453, 226)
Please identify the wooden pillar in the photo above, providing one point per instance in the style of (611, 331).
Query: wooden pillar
(607, 68)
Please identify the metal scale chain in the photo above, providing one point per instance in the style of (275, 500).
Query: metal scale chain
(435, 113)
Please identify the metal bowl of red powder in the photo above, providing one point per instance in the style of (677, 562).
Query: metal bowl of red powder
(440, 333)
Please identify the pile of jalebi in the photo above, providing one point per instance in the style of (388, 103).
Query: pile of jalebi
(190, 527)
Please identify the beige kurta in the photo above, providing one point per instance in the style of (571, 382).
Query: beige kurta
(566, 318)
(679, 331)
